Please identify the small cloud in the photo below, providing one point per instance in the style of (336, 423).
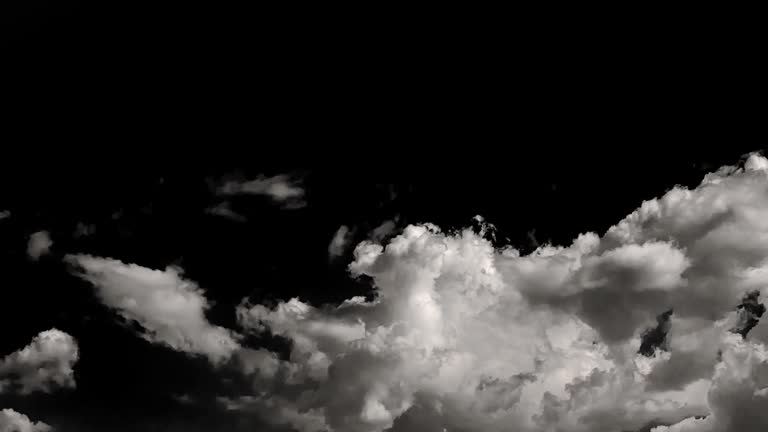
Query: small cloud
(224, 210)
(84, 230)
(39, 244)
(5, 214)
(339, 242)
(281, 188)
(184, 399)
(384, 230)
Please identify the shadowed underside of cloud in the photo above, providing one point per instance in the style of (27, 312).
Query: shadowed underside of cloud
(462, 336)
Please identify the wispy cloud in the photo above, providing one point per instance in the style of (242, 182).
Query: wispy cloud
(280, 188)
(339, 242)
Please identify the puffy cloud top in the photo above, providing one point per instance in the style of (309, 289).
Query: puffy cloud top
(45, 364)
(170, 309)
(12, 421)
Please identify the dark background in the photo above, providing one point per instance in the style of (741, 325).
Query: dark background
(123, 115)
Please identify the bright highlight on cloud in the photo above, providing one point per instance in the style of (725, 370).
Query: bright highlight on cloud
(42, 366)
(12, 421)
(466, 337)
(170, 309)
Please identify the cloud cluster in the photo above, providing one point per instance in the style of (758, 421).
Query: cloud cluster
(12, 421)
(45, 364)
(169, 309)
(463, 336)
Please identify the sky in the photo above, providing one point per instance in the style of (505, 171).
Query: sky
(593, 292)
(230, 217)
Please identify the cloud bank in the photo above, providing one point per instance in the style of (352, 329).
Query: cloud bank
(169, 309)
(463, 336)
(44, 365)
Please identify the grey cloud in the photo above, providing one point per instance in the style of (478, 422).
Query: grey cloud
(280, 188)
(39, 244)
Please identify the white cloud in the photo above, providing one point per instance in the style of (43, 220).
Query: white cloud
(462, 336)
(39, 244)
(281, 188)
(12, 421)
(339, 242)
(45, 364)
(5, 214)
(170, 309)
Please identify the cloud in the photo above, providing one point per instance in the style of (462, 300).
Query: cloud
(12, 421)
(39, 244)
(170, 309)
(84, 230)
(44, 365)
(464, 336)
(384, 230)
(225, 210)
(280, 188)
(5, 214)
(339, 242)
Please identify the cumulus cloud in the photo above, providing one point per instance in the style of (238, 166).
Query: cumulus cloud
(12, 421)
(280, 188)
(169, 309)
(44, 365)
(39, 244)
(463, 336)
(339, 242)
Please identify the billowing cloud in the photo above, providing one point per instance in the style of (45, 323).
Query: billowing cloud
(463, 336)
(280, 188)
(169, 309)
(339, 242)
(39, 244)
(12, 421)
(42, 366)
